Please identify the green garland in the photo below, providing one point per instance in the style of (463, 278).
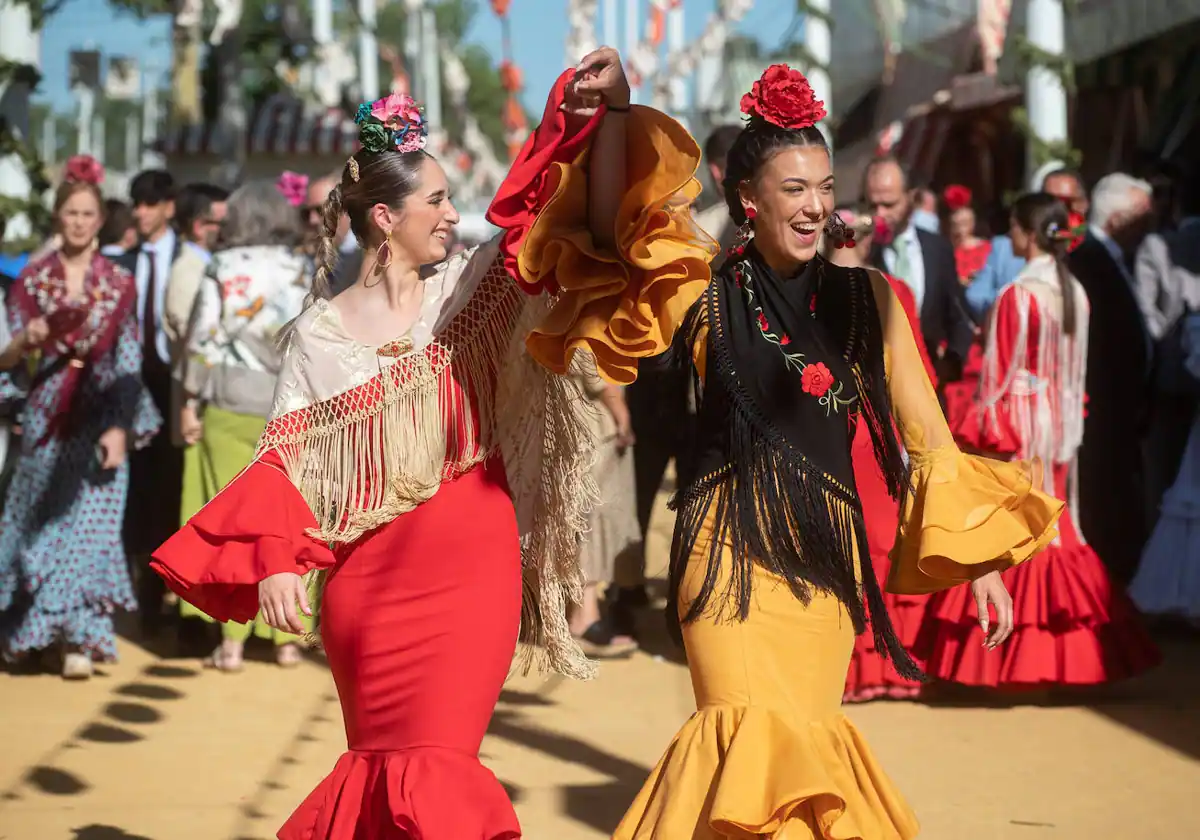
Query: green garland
(12, 144)
(1030, 55)
(1045, 151)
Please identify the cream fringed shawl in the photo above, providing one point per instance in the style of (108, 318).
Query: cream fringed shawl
(368, 433)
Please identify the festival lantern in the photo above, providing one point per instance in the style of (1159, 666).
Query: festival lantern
(513, 116)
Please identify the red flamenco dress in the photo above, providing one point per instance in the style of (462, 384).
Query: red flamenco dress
(436, 486)
(872, 676)
(1072, 626)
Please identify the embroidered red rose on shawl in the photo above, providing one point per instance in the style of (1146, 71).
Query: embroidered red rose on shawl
(783, 97)
(762, 322)
(785, 340)
(816, 379)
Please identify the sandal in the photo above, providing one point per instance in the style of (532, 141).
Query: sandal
(76, 666)
(228, 657)
(288, 655)
(600, 642)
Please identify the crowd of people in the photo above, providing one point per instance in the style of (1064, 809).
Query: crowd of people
(270, 410)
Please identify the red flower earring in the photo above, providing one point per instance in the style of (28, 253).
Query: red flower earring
(744, 233)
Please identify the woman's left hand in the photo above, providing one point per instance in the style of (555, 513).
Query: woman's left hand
(990, 589)
(112, 445)
(599, 80)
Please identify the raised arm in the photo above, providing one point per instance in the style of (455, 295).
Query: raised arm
(601, 83)
(595, 211)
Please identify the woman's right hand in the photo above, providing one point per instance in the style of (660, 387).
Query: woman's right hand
(191, 427)
(278, 597)
(36, 332)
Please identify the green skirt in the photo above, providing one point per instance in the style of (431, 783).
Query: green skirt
(226, 448)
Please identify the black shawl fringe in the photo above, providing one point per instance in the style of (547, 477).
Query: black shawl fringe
(773, 507)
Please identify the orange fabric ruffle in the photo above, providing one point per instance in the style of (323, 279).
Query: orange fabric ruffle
(964, 511)
(626, 306)
(745, 773)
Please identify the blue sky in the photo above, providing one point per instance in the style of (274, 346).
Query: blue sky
(537, 38)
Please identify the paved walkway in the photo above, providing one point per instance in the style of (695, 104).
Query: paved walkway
(157, 749)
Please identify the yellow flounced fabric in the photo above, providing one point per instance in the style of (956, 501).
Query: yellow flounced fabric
(964, 515)
(964, 511)
(627, 308)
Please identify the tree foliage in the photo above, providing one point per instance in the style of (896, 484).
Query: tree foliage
(273, 32)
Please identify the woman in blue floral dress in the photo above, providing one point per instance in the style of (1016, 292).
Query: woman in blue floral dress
(73, 368)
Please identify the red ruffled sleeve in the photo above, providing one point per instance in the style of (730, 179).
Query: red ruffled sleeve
(559, 138)
(254, 528)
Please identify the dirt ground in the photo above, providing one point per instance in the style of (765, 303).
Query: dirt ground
(159, 749)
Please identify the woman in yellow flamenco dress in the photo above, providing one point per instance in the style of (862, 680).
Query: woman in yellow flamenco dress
(766, 572)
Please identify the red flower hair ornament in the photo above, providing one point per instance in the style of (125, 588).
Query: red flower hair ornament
(783, 97)
(956, 197)
(83, 169)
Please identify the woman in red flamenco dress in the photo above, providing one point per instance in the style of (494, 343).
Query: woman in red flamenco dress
(1072, 626)
(871, 675)
(971, 252)
(427, 457)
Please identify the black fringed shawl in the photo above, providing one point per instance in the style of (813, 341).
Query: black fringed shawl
(790, 365)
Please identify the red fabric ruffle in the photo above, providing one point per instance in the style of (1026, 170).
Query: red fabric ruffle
(559, 138)
(252, 529)
(871, 675)
(428, 792)
(1072, 627)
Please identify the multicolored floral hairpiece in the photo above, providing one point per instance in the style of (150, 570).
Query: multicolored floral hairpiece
(293, 186)
(783, 97)
(394, 123)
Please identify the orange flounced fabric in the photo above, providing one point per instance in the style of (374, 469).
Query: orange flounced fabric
(438, 484)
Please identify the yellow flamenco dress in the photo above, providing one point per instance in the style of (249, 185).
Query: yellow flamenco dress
(768, 753)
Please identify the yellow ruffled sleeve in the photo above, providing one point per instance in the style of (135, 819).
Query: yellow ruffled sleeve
(964, 515)
(621, 306)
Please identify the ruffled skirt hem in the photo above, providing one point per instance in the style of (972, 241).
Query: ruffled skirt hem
(1071, 627)
(430, 793)
(746, 773)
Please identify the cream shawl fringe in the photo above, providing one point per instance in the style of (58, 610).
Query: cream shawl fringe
(377, 451)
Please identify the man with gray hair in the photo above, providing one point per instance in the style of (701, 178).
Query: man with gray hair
(1111, 487)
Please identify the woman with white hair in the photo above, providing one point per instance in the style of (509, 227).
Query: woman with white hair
(255, 285)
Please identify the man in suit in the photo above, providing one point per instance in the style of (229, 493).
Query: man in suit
(349, 254)
(1167, 284)
(714, 219)
(925, 262)
(1118, 374)
(155, 471)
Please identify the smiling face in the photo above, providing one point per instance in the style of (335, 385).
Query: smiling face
(422, 226)
(791, 196)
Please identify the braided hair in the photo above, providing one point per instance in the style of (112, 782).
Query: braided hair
(368, 178)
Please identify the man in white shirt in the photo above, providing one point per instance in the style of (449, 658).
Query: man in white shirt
(155, 471)
(714, 219)
(199, 213)
(924, 261)
(349, 260)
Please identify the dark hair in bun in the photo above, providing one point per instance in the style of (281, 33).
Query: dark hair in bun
(758, 143)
